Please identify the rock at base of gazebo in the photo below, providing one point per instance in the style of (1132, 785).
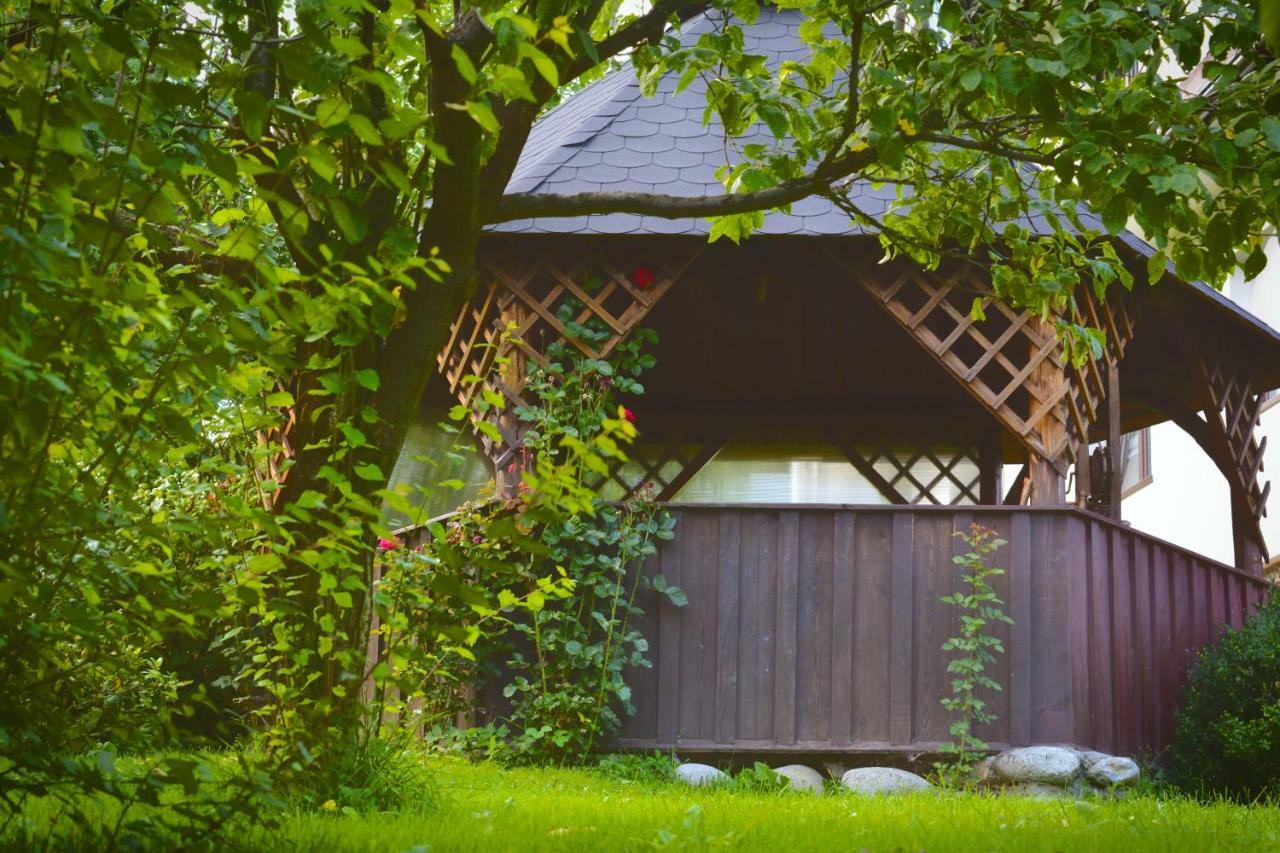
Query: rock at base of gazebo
(1034, 771)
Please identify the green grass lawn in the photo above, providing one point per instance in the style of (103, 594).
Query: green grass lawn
(484, 807)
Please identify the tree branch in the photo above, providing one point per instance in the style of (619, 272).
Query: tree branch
(646, 27)
(850, 121)
(1022, 155)
(528, 205)
(283, 198)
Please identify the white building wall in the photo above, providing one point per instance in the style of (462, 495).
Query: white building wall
(1188, 501)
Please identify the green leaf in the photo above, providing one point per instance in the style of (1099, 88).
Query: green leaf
(463, 63)
(971, 79)
(1048, 66)
(1255, 263)
(332, 111)
(310, 499)
(367, 378)
(1271, 130)
(1269, 23)
(352, 227)
(362, 127)
(483, 116)
(369, 471)
(264, 563)
(252, 109)
(542, 63)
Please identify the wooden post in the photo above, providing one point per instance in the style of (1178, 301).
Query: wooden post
(1083, 479)
(1048, 487)
(991, 465)
(1115, 439)
(1249, 552)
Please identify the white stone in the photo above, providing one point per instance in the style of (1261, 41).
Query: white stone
(1113, 771)
(1088, 757)
(883, 780)
(698, 775)
(1051, 765)
(800, 777)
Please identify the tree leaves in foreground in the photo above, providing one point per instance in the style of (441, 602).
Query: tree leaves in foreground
(233, 236)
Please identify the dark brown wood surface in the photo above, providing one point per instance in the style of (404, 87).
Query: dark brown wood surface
(819, 629)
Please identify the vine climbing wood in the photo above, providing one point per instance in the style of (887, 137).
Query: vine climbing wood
(533, 298)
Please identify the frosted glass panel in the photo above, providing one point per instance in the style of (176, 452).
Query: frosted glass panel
(431, 455)
(787, 474)
(796, 472)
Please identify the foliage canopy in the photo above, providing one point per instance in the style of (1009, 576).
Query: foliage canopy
(234, 233)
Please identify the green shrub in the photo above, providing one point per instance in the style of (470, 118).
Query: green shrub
(1227, 740)
(369, 773)
(649, 767)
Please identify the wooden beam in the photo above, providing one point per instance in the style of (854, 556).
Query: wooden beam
(705, 455)
(1084, 479)
(864, 468)
(991, 465)
(1115, 440)
(1044, 382)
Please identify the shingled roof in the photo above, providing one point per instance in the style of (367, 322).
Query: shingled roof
(609, 137)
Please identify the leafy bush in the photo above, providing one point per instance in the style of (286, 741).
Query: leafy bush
(373, 774)
(650, 767)
(1227, 740)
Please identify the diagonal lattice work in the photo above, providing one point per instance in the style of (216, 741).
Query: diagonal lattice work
(528, 301)
(660, 470)
(1232, 416)
(1008, 360)
(919, 475)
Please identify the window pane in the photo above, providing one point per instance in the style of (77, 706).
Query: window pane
(1136, 464)
(782, 473)
(432, 454)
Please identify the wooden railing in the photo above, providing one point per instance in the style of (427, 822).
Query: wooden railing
(819, 629)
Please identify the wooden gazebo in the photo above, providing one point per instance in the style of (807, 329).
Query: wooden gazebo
(817, 627)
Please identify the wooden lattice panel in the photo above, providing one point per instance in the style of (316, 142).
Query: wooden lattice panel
(526, 302)
(919, 475)
(661, 470)
(1087, 391)
(1011, 362)
(1233, 418)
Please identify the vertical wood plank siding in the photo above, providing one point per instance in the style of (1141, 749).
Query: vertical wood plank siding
(820, 629)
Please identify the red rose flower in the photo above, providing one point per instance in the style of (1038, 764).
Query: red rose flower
(388, 544)
(643, 277)
(629, 415)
